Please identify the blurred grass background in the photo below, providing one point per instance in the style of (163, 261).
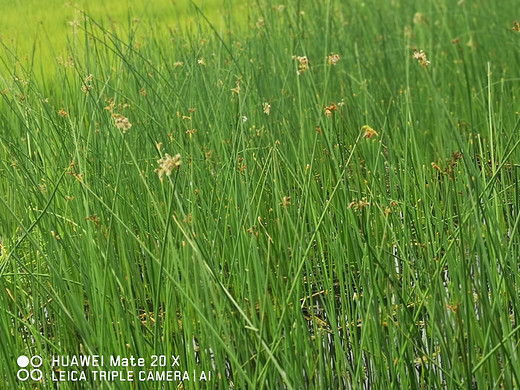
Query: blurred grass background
(41, 32)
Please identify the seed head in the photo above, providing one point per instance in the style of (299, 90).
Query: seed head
(369, 132)
(87, 86)
(329, 109)
(167, 164)
(121, 122)
(333, 59)
(237, 87)
(304, 64)
(420, 56)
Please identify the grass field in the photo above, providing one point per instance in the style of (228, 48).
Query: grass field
(46, 33)
(316, 195)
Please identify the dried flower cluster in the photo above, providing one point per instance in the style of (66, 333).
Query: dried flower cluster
(420, 56)
(63, 113)
(358, 204)
(267, 108)
(121, 122)
(451, 165)
(516, 27)
(330, 109)
(419, 18)
(167, 164)
(304, 64)
(3, 250)
(87, 86)
(237, 87)
(369, 132)
(286, 201)
(333, 59)
(66, 62)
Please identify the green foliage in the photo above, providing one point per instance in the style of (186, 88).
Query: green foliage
(345, 214)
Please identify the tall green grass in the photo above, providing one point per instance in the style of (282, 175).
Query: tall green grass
(292, 248)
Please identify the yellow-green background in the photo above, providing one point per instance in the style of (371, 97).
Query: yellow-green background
(41, 30)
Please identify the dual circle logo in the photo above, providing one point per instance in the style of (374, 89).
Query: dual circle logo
(33, 372)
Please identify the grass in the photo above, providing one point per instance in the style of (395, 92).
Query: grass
(349, 224)
(43, 35)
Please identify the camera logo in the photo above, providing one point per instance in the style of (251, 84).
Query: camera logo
(33, 372)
